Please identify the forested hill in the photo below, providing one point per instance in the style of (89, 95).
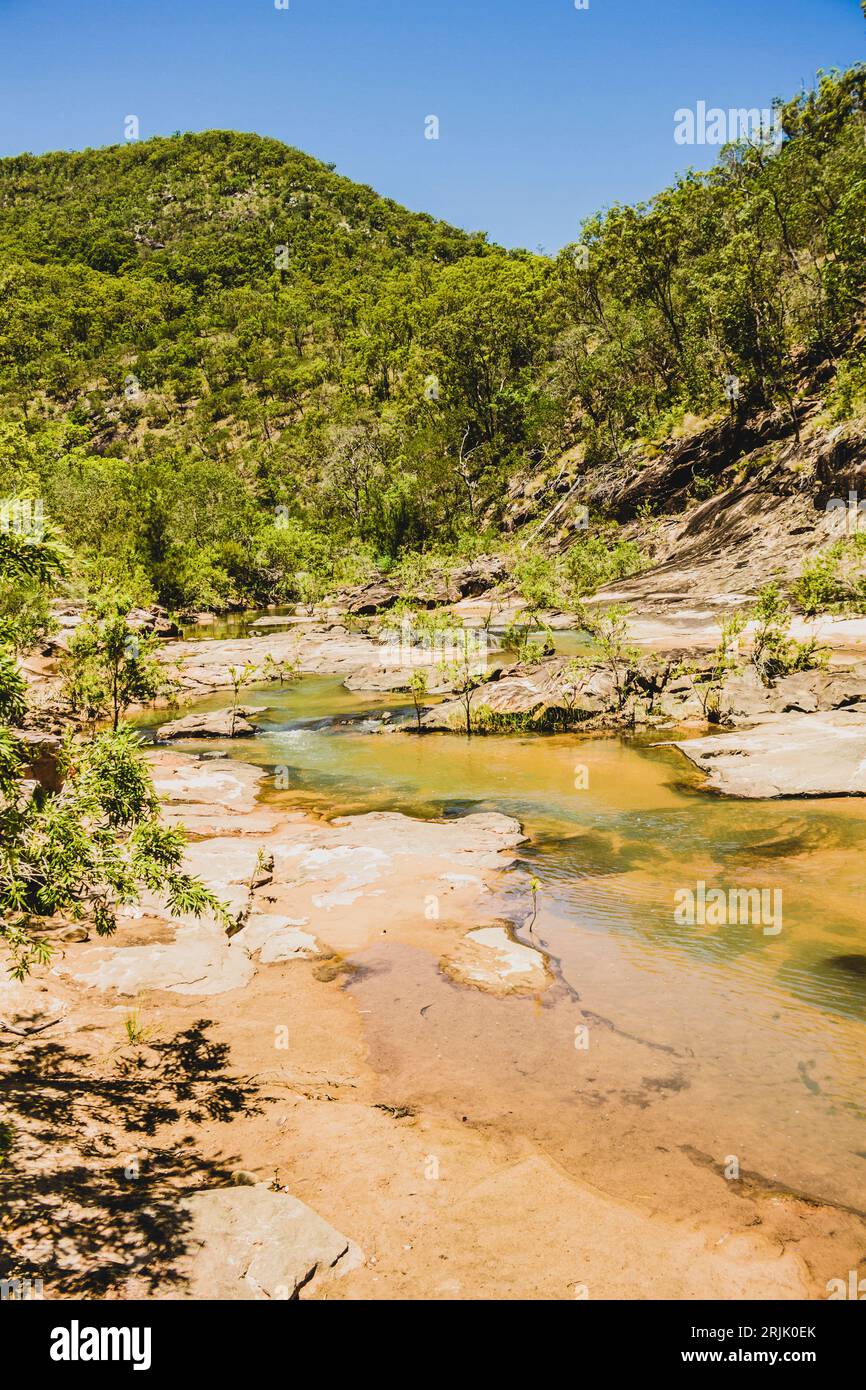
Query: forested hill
(223, 366)
(227, 328)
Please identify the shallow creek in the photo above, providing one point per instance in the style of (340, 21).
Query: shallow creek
(718, 1042)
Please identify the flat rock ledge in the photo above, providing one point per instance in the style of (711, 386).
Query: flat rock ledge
(325, 650)
(253, 1243)
(786, 755)
(221, 723)
(490, 958)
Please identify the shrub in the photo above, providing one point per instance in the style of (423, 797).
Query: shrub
(596, 560)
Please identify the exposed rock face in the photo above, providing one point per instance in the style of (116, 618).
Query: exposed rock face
(249, 1242)
(657, 691)
(223, 723)
(528, 691)
(213, 796)
(481, 576)
(471, 581)
(397, 678)
(270, 620)
(278, 938)
(787, 755)
(510, 695)
(378, 596)
(368, 878)
(767, 516)
(324, 888)
(26, 1008)
(369, 598)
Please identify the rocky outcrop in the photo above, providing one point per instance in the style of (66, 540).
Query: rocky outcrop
(535, 695)
(27, 1009)
(657, 690)
(251, 1242)
(318, 649)
(379, 595)
(398, 678)
(512, 696)
(200, 961)
(484, 574)
(153, 620)
(766, 516)
(221, 723)
(291, 884)
(470, 581)
(821, 754)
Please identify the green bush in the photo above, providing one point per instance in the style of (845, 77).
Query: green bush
(599, 559)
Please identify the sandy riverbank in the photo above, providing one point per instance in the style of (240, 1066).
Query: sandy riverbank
(399, 1096)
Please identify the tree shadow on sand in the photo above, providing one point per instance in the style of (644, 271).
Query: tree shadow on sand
(93, 1166)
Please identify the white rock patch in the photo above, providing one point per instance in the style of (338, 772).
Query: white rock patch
(490, 959)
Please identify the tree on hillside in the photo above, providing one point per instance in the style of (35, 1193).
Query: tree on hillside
(386, 381)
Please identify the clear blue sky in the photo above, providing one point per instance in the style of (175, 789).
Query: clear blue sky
(547, 113)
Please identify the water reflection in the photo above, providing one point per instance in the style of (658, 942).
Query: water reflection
(609, 856)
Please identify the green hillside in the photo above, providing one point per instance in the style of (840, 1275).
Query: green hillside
(224, 366)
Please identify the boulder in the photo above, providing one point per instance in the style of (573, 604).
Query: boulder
(387, 678)
(479, 577)
(221, 723)
(532, 691)
(371, 598)
(745, 696)
(153, 621)
(251, 1242)
(378, 595)
(67, 613)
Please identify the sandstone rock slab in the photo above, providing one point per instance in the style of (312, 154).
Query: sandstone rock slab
(787, 755)
(254, 1243)
(490, 958)
(221, 723)
(200, 961)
